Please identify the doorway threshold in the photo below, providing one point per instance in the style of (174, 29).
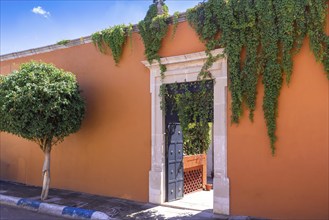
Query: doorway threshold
(198, 201)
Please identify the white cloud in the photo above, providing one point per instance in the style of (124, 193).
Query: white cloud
(39, 11)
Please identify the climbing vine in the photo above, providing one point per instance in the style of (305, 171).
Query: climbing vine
(272, 75)
(175, 23)
(207, 32)
(268, 33)
(153, 29)
(113, 38)
(326, 55)
(193, 103)
(259, 39)
(63, 42)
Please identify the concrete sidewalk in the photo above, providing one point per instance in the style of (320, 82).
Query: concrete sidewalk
(113, 207)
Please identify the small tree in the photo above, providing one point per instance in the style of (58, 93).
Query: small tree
(41, 103)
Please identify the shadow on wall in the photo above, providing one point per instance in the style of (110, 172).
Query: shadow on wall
(16, 170)
(4, 168)
(96, 105)
(90, 96)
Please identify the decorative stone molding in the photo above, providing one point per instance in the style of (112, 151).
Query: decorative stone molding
(180, 69)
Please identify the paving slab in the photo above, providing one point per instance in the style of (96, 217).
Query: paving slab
(200, 201)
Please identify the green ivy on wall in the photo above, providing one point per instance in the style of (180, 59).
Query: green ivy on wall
(63, 42)
(153, 29)
(270, 32)
(175, 23)
(114, 38)
(207, 33)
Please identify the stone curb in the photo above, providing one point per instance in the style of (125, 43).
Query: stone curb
(52, 209)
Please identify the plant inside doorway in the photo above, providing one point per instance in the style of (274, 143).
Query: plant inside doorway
(193, 103)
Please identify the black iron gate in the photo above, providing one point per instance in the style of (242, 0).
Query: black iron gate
(175, 171)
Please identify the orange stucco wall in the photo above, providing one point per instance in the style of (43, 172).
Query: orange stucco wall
(108, 156)
(111, 154)
(294, 183)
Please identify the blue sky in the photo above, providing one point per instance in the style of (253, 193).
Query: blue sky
(29, 24)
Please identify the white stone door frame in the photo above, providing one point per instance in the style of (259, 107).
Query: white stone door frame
(180, 69)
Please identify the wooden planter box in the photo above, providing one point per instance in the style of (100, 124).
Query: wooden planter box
(195, 172)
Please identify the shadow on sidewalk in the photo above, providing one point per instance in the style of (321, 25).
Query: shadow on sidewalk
(113, 207)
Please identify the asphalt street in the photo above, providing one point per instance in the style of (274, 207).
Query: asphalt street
(8, 212)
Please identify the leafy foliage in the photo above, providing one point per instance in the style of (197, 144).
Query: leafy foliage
(113, 38)
(97, 39)
(270, 32)
(272, 76)
(2, 77)
(41, 103)
(207, 14)
(153, 29)
(326, 55)
(63, 42)
(175, 23)
(208, 32)
(193, 103)
(130, 34)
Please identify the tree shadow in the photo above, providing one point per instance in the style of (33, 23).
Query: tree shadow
(166, 213)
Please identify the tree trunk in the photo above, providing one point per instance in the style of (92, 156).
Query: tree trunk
(46, 175)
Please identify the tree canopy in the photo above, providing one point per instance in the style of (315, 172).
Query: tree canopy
(41, 103)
